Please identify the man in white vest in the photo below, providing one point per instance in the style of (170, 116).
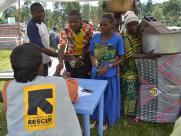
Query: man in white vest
(37, 33)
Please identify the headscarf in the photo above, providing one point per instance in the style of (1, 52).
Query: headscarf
(129, 17)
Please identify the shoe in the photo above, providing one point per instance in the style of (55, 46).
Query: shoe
(92, 124)
(134, 120)
(105, 127)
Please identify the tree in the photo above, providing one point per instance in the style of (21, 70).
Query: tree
(54, 18)
(44, 4)
(100, 8)
(172, 12)
(149, 7)
(67, 6)
(141, 9)
(10, 12)
(93, 12)
(85, 12)
(25, 13)
(157, 12)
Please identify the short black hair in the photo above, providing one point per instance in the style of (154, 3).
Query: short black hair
(109, 16)
(74, 13)
(54, 28)
(25, 61)
(34, 6)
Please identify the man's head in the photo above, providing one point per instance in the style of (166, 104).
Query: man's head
(54, 28)
(75, 20)
(26, 60)
(37, 12)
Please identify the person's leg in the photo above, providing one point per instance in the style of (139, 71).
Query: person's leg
(82, 72)
(45, 73)
(112, 100)
(85, 70)
(130, 102)
(69, 69)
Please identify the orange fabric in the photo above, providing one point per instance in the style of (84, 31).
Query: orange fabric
(4, 92)
(73, 89)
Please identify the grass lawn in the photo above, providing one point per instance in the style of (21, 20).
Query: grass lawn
(122, 128)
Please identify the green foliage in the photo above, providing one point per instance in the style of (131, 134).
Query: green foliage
(85, 12)
(157, 12)
(10, 12)
(172, 12)
(168, 12)
(149, 7)
(4, 60)
(3, 129)
(57, 17)
(25, 14)
(67, 6)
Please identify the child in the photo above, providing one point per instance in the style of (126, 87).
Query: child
(38, 105)
(106, 50)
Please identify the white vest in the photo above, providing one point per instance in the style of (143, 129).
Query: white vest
(43, 32)
(44, 39)
(41, 108)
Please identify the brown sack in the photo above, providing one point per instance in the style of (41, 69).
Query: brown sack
(118, 6)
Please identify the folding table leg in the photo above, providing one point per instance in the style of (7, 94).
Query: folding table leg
(86, 125)
(101, 108)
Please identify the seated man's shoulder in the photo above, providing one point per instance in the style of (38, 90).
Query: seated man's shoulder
(51, 79)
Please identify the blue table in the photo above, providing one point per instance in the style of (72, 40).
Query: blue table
(87, 104)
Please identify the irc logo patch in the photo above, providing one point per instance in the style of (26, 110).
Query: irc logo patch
(40, 107)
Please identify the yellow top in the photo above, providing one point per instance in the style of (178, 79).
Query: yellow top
(79, 43)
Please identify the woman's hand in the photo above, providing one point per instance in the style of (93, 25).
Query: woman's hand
(68, 57)
(59, 67)
(94, 61)
(50, 63)
(66, 75)
(103, 70)
(78, 62)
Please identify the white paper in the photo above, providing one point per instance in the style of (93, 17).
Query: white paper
(82, 93)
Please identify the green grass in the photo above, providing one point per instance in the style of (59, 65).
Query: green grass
(4, 60)
(126, 128)
(122, 128)
(4, 66)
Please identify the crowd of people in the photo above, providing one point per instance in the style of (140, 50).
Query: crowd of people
(107, 55)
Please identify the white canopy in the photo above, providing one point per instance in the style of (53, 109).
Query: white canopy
(4, 4)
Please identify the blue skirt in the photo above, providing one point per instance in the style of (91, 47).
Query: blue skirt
(112, 101)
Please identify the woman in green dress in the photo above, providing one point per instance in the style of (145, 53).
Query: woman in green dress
(129, 75)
